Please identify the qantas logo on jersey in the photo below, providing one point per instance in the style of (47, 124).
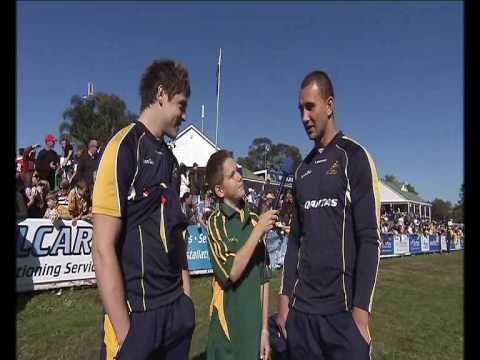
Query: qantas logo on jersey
(320, 203)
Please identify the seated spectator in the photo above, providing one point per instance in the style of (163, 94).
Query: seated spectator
(62, 194)
(62, 200)
(36, 206)
(34, 180)
(78, 202)
(51, 212)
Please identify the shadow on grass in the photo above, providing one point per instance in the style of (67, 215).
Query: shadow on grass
(22, 300)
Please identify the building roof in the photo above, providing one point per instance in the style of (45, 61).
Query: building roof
(191, 146)
(408, 196)
(249, 175)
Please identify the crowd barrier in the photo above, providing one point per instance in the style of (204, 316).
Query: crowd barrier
(399, 245)
(51, 256)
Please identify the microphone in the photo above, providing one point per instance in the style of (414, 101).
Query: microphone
(288, 168)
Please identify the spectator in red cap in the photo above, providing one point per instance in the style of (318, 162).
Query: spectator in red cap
(47, 161)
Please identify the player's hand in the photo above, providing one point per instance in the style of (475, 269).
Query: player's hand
(122, 334)
(283, 315)
(265, 345)
(362, 319)
(53, 164)
(267, 221)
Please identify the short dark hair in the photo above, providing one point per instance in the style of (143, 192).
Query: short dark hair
(323, 82)
(214, 171)
(170, 74)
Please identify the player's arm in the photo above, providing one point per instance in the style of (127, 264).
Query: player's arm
(183, 261)
(243, 256)
(265, 340)
(229, 262)
(106, 232)
(114, 177)
(365, 195)
(289, 274)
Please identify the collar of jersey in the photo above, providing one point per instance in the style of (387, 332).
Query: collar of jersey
(332, 142)
(229, 212)
(160, 140)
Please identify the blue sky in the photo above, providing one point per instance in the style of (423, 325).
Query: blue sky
(397, 69)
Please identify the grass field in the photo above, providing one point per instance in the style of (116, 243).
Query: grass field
(417, 314)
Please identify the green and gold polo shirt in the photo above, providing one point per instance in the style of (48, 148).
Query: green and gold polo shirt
(235, 310)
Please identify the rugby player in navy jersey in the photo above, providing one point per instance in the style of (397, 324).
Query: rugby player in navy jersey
(333, 253)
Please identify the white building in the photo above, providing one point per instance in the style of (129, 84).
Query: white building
(191, 146)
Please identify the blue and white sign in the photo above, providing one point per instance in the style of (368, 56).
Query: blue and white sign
(434, 243)
(400, 244)
(415, 244)
(443, 242)
(197, 250)
(425, 243)
(277, 176)
(387, 248)
(51, 256)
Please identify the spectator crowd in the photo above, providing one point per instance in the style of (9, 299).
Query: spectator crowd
(49, 185)
(398, 223)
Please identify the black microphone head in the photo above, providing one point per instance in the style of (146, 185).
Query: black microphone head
(288, 166)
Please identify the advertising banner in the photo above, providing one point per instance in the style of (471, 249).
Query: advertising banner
(400, 244)
(387, 248)
(49, 255)
(415, 244)
(197, 250)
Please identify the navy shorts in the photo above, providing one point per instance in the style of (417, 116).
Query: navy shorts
(329, 337)
(162, 333)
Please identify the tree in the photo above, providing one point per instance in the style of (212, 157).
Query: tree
(441, 210)
(462, 195)
(457, 214)
(280, 152)
(457, 211)
(98, 116)
(257, 154)
(411, 188)
(262, 152)
(392, 179)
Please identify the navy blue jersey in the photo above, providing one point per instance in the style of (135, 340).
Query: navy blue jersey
(333, 253)
(134, 182)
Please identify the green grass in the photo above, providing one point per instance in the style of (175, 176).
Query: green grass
(417, 314)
